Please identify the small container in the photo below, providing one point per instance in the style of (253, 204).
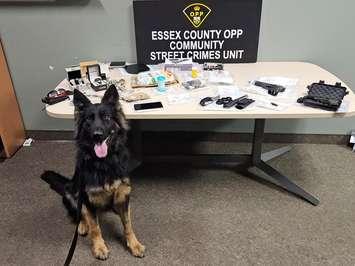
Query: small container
(161, 83)
(194, 72)
(94, 76)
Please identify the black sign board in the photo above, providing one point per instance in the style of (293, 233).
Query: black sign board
(208, 30)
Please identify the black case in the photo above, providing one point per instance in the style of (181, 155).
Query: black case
(324, 96)
(93, 72)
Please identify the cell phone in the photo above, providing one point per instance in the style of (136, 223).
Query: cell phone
(117, 64)
(147, 106)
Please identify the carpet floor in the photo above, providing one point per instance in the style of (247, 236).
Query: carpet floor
(189, 216)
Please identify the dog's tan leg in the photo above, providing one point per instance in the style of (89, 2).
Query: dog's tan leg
(83, 228)
(99, 248)
(121, 206)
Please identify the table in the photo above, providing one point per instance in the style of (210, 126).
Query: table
(306, 73)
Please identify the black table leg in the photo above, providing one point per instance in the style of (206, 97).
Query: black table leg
(243, 162)
(267, 156)
(258, 162)
(135, 145)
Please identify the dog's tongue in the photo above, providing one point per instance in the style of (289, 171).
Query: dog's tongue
(101, 149)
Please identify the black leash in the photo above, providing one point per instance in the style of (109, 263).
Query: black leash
(75, 237)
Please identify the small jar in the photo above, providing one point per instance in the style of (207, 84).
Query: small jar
(194, 72)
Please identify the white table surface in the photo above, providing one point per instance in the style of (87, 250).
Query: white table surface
(306, 74)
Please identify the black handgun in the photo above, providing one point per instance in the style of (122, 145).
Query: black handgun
(320, 102)
(234, 102)
(243, 103)
(272, 89)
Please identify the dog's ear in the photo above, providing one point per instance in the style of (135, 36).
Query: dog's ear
(111, 96)
(80, 100)
(122, 120)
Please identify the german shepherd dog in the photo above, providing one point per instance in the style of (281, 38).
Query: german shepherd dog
(102, 166)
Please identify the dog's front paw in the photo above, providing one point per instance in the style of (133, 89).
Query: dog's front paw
(137, 249)
(83, 228)
(100, 251)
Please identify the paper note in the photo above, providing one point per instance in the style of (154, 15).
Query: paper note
(344, 107)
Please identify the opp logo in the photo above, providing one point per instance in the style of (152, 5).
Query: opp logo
(196, 13)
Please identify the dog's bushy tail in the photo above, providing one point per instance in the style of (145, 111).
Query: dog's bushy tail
(56, 181)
